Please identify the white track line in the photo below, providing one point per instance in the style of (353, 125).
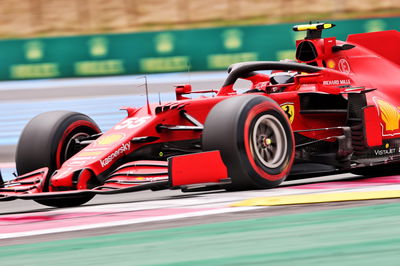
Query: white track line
(125, 222)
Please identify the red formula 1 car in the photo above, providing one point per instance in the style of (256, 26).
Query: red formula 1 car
(334, 110)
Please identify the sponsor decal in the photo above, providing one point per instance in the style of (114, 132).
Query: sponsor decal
(288, 108)
(164, 43)
(132, 122)
(84, 156)
(81, 158)
(164, 64)
(96, 149)
(89, 153)
(233, 39)
(76, 163)
(124, 148)
(386, 151)
(110, 139)
(147, 179)
(261, 85)
(331, 64)
(390, 117)
(336, 82)
(344, 66)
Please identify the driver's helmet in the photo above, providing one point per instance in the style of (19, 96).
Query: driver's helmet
(281, 78)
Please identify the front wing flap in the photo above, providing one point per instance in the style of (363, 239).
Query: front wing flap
(31, 183)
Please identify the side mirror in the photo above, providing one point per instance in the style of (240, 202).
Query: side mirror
(338, 48)
(181, 90)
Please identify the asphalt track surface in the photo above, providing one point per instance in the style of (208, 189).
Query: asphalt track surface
(174, 228)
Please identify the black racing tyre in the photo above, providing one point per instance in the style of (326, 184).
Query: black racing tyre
(255, 139)
(48, 141)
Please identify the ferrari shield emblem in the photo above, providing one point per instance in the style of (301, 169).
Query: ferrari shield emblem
(288, 108)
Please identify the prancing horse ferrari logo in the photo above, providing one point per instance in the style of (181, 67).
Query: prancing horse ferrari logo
(288, 108)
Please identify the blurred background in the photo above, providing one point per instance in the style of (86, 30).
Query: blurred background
(90, 55)
(83, 38)
(32, 18)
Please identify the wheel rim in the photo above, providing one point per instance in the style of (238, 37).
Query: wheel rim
(268, 141)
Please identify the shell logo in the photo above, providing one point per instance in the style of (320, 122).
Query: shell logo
(389, 114)
(331, 64)
(110, 139)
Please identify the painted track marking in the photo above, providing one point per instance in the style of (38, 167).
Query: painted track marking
(319, 198)
(201, 204)
(181, 215)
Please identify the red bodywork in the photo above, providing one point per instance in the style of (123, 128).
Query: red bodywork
(348, 109)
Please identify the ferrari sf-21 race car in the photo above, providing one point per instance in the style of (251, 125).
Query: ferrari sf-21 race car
(335, 109)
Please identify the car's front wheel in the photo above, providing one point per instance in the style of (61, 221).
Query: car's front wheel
(48, 140)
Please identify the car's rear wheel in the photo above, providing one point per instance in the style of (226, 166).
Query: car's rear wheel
(48, 140)
(255, 139)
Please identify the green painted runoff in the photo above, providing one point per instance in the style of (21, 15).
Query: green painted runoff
(354, 236)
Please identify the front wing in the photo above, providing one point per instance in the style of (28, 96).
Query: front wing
(190, 172)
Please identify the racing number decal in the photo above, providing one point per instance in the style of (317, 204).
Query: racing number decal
(132, 122)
